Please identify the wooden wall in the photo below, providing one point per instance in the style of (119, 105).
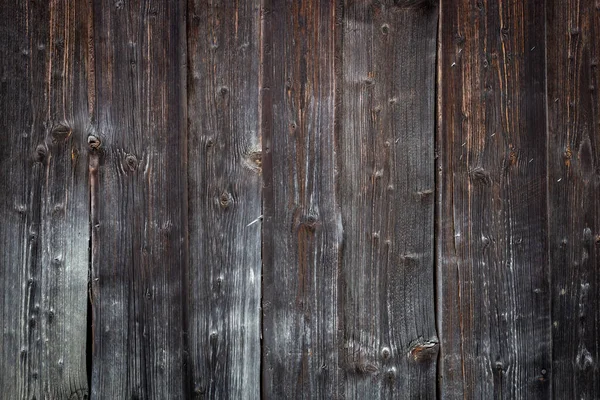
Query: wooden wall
(346, 199)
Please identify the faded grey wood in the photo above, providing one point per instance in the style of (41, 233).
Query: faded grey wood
(137, 166)
(573, 40)
(302, 231)
(348, 304)
(225, 185)
(385, 192)
(493, 269)
(44, 200)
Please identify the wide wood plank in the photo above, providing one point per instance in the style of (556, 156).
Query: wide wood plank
(302, 226)
(573, 40)
(385, 170)
(44, 200)
(224, 199)
(493, 275)
(137, 168)
(348, 140)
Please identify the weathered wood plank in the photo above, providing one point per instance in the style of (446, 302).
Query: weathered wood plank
(44, 200)
(138, 200)
(302, 226)
(385, 149)
(348, 145)
(224, 198)
(573, 41)
(493, 269)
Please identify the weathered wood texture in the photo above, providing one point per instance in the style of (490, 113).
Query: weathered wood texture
(385, 191)
(574, 206)
(493, 274)
(302, 223)
(44, 200)
(348, 143)
(137, 167)
(225, 186)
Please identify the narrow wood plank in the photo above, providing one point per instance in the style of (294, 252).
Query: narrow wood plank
(224, 198)
(493, 269)
(138, 200)
(573, 41)
(385, 147)
(302, 227)
(44, 200)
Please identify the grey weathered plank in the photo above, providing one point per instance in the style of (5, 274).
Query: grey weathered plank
(44, 201)
(302, 227)
(493, 269)
(385, 170)
(348, 139)
(573, 46)
(225, 185)
(137, 164)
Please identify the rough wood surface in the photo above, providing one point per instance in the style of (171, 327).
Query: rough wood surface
(44, 200)
(574, 206)
(224, 199)
(348, 302)
(385, 170)
(137, 172)
(302, 226)
(493, 274)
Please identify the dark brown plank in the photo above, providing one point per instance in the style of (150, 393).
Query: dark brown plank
(44, 200)
(348, 139)
(385, 150)
(573, 40)
(138, 189)
(224, 198)
(302, 227)
(493, 272)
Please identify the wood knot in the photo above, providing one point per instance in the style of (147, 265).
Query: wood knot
(424, 351)
(360, 360)
(513, 157)
(40, 153)
(225, 200)
(60, 133)
(253, 161)
(386, 353)
(132, 162)
(93, 142)
(480, 176)
(568, 154)
(308, 223)
(390, 374)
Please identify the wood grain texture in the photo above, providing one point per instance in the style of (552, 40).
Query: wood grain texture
(348, 143)
(302, 223)
(224, 199)
(493, 253)
(573, 40)
(385, 187)
(137, 167)
(44, 200)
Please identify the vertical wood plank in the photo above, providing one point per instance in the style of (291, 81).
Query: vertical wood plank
(137, 167)
(44, 200)
(224, 198)
(302, 226)
(348, 140)
(573, 41)
(493, 264)
(385, 149)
